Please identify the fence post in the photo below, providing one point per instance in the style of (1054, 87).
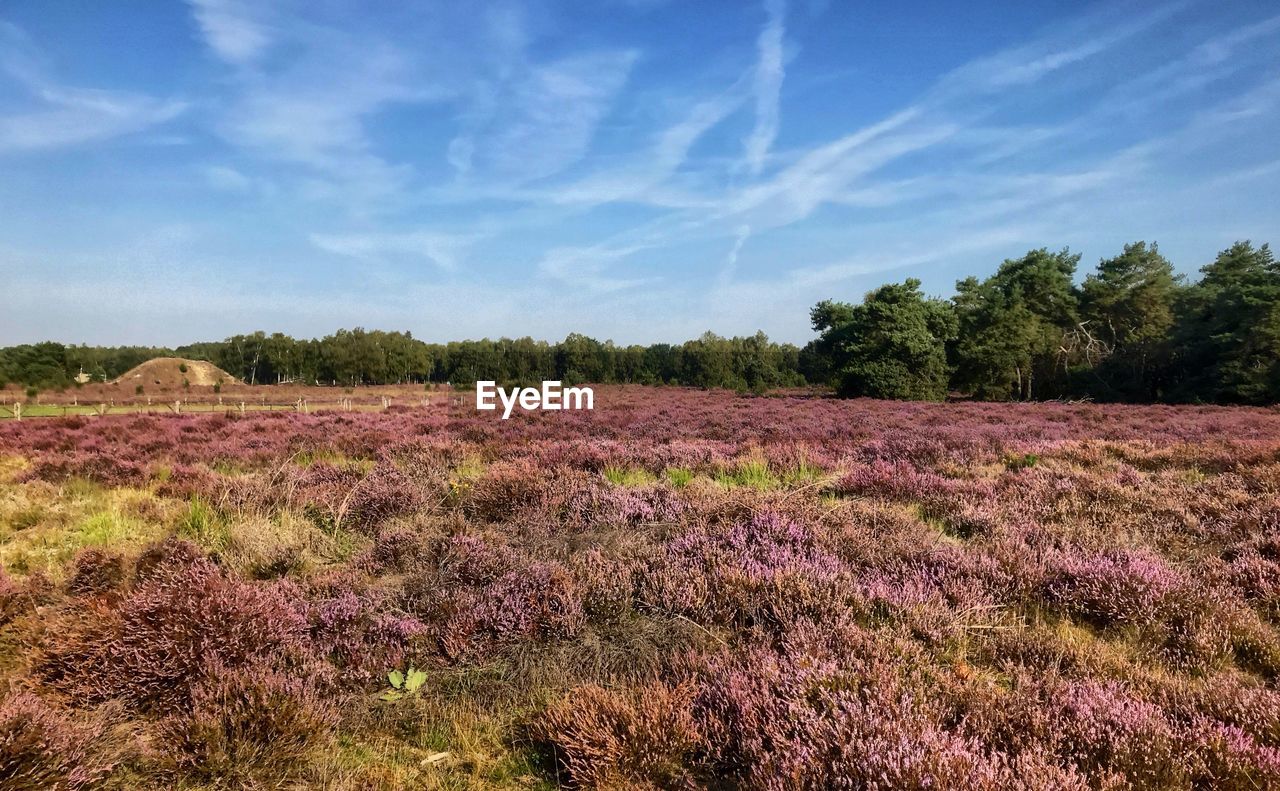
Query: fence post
(17, 411)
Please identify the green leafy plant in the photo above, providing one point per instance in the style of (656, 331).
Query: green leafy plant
(403, 685)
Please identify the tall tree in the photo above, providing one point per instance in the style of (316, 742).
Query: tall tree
(1227, 341)
(893, 345)
(1012, 327)
(1126, 311)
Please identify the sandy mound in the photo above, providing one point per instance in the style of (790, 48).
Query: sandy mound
(167, 372)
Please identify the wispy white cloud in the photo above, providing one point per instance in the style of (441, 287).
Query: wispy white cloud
(545, 120)
(770, 72)
(233, 28)
(443, 250)
(587, 267)
(60, 115)
(222, 177)
(730, 266)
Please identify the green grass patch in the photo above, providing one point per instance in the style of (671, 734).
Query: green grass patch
(679, 477)
(624, 476)
(803, 473)
(753, 474)
(333, 458)
(203, 525)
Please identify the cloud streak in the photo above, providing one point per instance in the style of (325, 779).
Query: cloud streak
(61, 116)
(768, 87)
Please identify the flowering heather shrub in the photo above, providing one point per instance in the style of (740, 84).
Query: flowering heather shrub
(762, 593)
(182, 619)
(1254, 570)
(170, 553)
(1224, 756)
(471, 560)
(382, 494)
(503, 491)
(360, 633)
(1116, 587)
(607, 584)
(809, 718)
(539, 601)
(398, 549)
(643, 739)
(12, 602)
(104, 468)
(250, 726)
(1102, 729)
(96, 572)
(928, 598)
(43, 749)
(766, 569)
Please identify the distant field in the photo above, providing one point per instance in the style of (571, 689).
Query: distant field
(119, 399)
(681, 589)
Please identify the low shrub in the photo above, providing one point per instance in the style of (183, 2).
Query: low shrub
(639, 739)
(252, 727)
(95, 572)
(159, 641)
(43, 749)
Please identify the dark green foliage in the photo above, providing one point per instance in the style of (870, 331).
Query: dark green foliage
(1012, 325)
(360, 357)
(893, 345)
(1227, 339)
(1127, 312)
(1131, 332)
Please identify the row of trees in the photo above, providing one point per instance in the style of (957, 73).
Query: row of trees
(355, 357)
(1132, 331)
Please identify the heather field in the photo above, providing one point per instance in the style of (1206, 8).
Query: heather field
(679, 590)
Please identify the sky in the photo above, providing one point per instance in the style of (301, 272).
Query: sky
(636, 170)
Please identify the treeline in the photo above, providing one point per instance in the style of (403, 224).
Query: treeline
(1131, 331)
(360, 357)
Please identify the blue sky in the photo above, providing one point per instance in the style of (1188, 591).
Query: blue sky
(641, 171)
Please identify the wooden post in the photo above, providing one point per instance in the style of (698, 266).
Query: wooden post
(17, 411)
(177, 407)
(242, 407)
(101, 409)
